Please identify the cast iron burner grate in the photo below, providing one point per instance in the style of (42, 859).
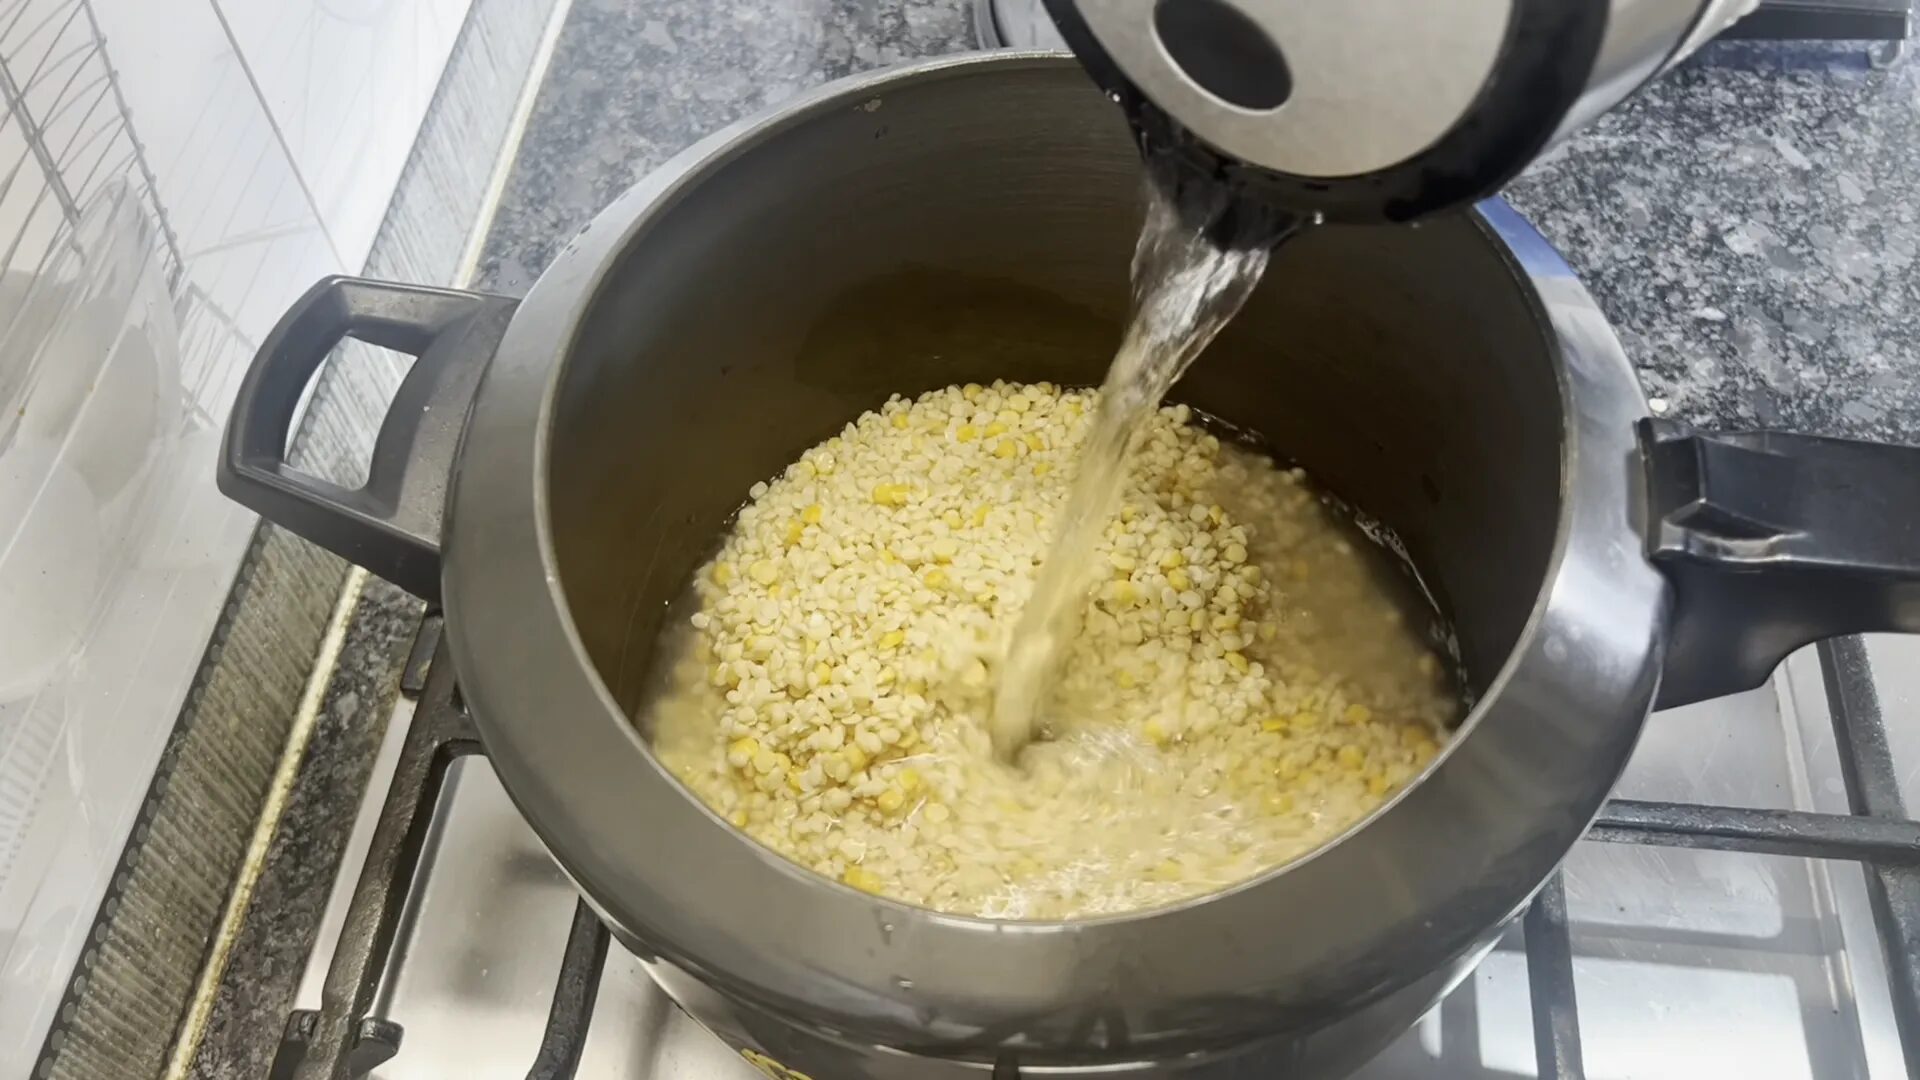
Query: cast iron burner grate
(347, 1039)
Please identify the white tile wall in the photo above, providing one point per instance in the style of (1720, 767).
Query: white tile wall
(347, 82)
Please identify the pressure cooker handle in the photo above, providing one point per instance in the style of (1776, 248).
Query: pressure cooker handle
(391, 523)
(1774, 541)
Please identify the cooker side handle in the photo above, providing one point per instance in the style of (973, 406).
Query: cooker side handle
(1774, 541)
(390, 524)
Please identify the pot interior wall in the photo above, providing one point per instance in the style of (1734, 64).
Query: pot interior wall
(979, 227)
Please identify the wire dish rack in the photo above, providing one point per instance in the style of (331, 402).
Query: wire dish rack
(79, 222)
(108, 351)
(67, 132)
(68, 135)
(1025, 24)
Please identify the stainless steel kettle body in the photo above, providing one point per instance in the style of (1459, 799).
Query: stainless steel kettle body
(969, 219)
(1366, 113)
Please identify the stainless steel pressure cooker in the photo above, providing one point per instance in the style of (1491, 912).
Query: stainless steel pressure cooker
(554, 470)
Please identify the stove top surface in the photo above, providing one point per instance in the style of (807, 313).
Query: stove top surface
(1684, 961)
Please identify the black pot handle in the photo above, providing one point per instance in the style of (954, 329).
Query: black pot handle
(390, 524)
(1772, 542)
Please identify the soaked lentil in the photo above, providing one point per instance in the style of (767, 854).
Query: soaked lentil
(1244, 686)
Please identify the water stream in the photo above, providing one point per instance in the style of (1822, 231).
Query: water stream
(1201, 252)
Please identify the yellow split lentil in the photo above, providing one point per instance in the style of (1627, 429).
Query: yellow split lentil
(1245, 686)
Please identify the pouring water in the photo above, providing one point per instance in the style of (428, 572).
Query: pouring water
(1201, 252)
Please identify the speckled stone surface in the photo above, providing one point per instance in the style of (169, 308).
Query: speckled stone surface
(1748, 223)
(272, 943)
(633, 81)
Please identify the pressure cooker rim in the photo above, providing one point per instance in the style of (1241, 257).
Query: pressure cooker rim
(1413, 887)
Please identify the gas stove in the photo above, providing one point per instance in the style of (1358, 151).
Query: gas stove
(1748, 905)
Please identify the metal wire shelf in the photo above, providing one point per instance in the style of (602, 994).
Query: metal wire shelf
(66, 144)
(67, 147)
(67, 139)
(111, 354)
(67, 131)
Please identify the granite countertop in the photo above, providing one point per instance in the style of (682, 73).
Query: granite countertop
(1748, 223)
